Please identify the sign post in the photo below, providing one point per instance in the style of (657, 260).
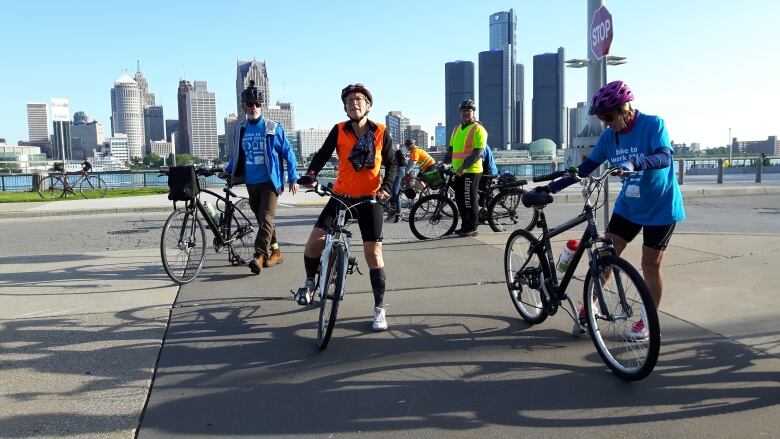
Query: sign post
(601, 31)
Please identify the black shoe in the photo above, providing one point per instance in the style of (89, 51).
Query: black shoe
(466, 233)
(396, 218)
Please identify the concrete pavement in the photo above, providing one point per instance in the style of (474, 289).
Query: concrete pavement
(81, 337)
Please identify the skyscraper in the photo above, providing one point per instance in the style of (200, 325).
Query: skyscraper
(441, 135)
(86, 135)
(202, 118)
(126, 114)
(547, 118)
(458, 86)
(230, 126)
(256, 71)
(396, 126)
(38, 122)
(183, 136)
(497, 80)
(283, 113)
(147, 99)
(154, 125)
(171, 126)
(518, 135)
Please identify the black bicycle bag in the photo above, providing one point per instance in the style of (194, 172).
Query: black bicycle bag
(183, 183)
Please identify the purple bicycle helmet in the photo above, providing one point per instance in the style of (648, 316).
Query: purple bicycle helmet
(610, 97)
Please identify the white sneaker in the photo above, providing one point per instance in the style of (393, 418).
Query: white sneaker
(380, 322)
(305, 293)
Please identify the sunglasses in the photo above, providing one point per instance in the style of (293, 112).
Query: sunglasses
(252, 104)
(607, 118)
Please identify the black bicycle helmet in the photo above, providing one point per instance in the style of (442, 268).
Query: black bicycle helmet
(251, 93)
(356, 88)
(468, 103)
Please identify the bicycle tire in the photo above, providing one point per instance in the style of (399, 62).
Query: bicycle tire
(525, 275)
(630, 360)
(432, 217)
(182, 248)
(51, 188)
(330, 296)
(93, 187)
(507, 213)
(242, 239)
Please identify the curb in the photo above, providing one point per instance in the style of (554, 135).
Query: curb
(570, 197)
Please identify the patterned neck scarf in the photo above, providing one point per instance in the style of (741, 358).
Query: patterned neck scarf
(363, 154)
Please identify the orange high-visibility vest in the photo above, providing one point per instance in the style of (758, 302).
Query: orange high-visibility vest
(358, 183)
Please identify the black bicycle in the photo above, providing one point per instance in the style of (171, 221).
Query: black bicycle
(183, 241)
(615, 297)
(502, 208)
(436, 215)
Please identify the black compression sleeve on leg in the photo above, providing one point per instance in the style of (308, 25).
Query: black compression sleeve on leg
(378, 285)
(311, 265)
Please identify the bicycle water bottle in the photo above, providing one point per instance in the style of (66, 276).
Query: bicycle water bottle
(210, 210)
(566, 254)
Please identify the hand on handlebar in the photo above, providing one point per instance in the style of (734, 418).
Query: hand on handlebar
(223, 175)
(382, 196)
(308, 180)
(624, 168)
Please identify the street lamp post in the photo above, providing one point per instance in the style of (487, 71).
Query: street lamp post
(603, 63)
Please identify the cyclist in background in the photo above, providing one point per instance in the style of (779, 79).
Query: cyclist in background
(489, 171)
(362, 147)
(466, 144)
(260, 145)
(650, 200)
(400, 160)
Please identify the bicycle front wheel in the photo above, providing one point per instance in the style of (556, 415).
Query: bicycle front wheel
(242, 239)
(183, 246)
(93, 187)
(625, 330)
(331, 293)
(507, 213)
(51, 188)
(525, 276)
(432, 217)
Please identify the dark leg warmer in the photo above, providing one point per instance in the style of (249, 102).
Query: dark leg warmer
(378, 285)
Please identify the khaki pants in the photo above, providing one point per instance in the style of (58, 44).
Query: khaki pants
(262, 201)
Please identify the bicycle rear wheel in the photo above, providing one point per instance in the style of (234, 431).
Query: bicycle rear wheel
(525, 276)
(432, 217)
(51, 188)
(506, 213)
(330, 296)
(242, 239)
(183, 246)
(93, 187)
(628, 302)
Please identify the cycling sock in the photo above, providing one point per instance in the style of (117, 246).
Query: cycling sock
(311, 265)
(378, 285)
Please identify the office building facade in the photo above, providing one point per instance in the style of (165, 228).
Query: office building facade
(126, 114)
(547, 116)
(38, 122)
(441, 135)
(397, 124)
(309, 141)
(458, 86)
(251, 71)
(154, 125)
(183, 133)
(230, 127)
(497, 79)
(202, 119)
(418, 135)
(86, 136)
(283, 113)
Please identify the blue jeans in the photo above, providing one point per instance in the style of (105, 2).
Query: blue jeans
(397, 192)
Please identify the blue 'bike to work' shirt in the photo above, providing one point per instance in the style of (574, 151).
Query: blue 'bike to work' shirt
(253, 143)
(651, 197)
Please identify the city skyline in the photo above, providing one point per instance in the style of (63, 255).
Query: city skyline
(698, 64)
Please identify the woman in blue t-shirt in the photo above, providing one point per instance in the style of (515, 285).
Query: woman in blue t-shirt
(650, 200)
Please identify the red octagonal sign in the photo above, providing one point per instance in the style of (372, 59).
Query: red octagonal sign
(601, 32)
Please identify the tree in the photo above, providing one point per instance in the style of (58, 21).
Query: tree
(153, 161)
(186, 159)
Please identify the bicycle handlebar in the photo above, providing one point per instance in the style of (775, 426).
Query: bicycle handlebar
(557, 174)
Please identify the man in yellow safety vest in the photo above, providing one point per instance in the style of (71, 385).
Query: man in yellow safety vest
(466, 145)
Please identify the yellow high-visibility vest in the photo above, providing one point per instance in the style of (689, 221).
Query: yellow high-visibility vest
(463, 143)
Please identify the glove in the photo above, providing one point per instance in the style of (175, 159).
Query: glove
(542, 189)
(626, 166)
(307, 179)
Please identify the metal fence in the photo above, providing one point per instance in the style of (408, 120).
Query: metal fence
(113, 179)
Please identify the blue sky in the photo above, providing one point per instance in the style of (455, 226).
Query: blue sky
(704, 66)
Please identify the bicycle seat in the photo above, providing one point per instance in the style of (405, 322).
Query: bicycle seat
(533, 199)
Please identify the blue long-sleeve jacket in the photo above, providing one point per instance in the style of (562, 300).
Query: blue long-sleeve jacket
(277, 148)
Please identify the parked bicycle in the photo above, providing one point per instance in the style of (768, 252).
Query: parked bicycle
(436, 215)
(335, 262)
(502, 208)
(183, 241)
(615, 294)
(59, 186)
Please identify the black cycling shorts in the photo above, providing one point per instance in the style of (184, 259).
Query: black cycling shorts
(369, 216)
(656, 237)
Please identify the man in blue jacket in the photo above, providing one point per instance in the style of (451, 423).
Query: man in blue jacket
(259, 145)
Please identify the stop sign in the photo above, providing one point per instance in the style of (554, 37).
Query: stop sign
(601, 32)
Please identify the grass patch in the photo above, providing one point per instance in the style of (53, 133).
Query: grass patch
(23, 197)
